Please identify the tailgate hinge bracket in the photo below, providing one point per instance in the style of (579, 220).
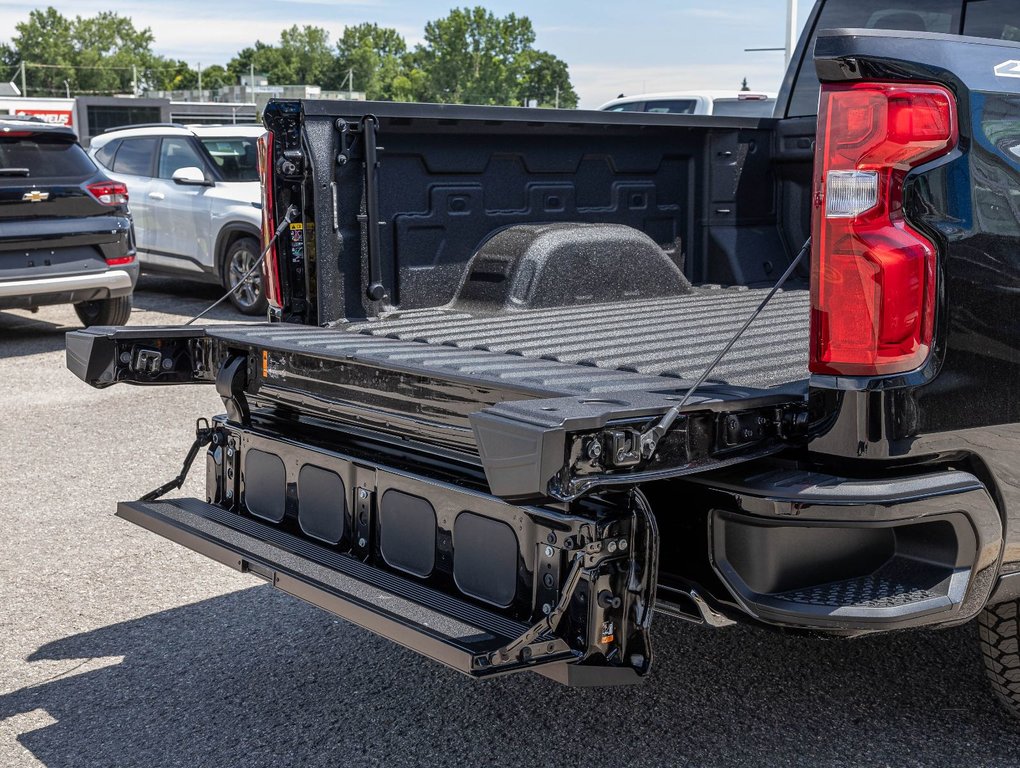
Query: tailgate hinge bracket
(231, 382)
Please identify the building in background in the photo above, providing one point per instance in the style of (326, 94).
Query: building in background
(91, 115)
(242, 103)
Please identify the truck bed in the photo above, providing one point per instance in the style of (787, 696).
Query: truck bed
(676, 337)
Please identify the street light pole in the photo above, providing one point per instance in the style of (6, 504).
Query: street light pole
(791, 29)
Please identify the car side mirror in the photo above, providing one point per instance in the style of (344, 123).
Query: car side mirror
(190, 175)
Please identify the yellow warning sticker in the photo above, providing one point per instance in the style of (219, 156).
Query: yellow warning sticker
(265, 363)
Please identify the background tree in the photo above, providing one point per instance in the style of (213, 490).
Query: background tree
(309, 55)
(266, 59)
(545, 79)
(474, 57)
(303, 56)
(469, 56)
(375, 55)
(97, 54)
(108, 50)
(216, 76)
(45, 38)
(172, 75)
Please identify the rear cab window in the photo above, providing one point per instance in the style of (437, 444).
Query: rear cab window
(994, 19)
(927, 16)
(38, 156)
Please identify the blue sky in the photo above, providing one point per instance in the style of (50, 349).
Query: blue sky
(619, 47)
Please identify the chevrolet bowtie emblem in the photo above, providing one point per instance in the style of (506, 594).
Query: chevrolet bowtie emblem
(35, 196)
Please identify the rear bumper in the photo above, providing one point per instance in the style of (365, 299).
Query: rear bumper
(69, 289)
(815, 551)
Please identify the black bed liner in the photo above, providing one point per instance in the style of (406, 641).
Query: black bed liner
(672, 337)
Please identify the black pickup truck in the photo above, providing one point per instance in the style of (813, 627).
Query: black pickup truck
(484, 421)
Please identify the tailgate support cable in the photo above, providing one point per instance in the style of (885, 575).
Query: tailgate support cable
(650, 438)
(203, 436)
(291, 214)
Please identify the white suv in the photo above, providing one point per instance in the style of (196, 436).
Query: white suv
(195, 200)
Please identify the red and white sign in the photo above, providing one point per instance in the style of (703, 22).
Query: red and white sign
(57, 116)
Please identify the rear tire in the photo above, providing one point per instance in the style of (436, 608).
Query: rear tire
(115, 311)
(250, 297)
(999, 628)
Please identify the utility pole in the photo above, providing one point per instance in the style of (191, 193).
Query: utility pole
(791, 33)
(251, 83)
(134, 80)
(557, 97)
(24, 88)
(791, 29)
(200, 98)
(350, 84)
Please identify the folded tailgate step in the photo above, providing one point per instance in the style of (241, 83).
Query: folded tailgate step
(448, 630)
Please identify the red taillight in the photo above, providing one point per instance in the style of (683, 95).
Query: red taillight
(109, 192)
(271, 265)
(872, 274)
(120, 260)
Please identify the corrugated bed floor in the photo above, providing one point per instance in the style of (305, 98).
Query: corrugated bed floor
(675, 337)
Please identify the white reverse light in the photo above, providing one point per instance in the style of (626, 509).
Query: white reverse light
(850, 193)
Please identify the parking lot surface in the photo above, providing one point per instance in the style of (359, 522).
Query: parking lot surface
(118, 648)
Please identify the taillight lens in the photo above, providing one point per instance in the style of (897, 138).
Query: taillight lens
(271, 264)
(872, 274)
(109, 192)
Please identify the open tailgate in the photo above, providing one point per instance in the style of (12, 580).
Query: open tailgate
(541, 429)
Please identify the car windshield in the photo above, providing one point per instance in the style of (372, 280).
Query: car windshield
(236, 158)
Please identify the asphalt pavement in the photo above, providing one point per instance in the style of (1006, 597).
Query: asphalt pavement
(118, 648)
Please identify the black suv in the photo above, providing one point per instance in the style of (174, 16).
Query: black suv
(65, 231)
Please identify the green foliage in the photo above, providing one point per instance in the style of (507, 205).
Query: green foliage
(309, 55)
(45, 38)
(215, 77)
(374, 56)
(267, 60)
(97, 54)
(545, 79)
(470, 56)
(474, 57)
(303, 55)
